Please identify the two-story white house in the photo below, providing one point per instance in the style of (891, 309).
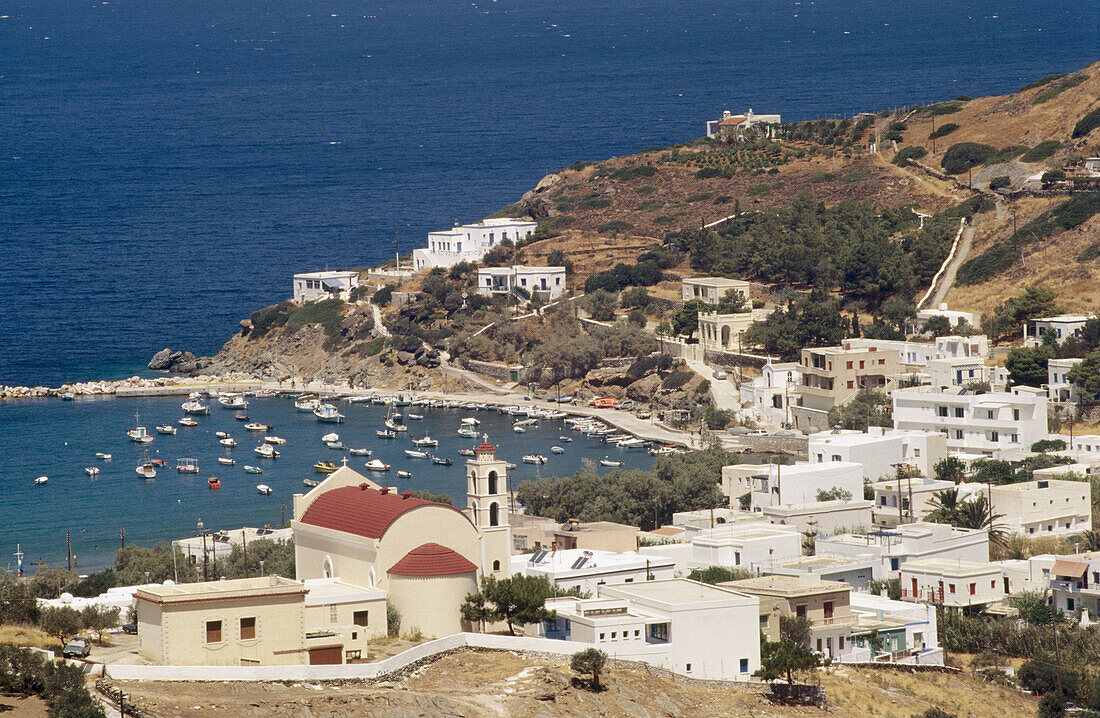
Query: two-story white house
(794, 484)
(1064, 326)
(469, 242)
(879, 450)
(986, 424)
(584, 569)
(1060, 389)
(890, 549)
(712, 289)
(771, 392)
(952, 582)
(547, 283)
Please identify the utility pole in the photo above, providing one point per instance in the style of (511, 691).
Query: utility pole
(123, 537)
(396, 252)
(282, 516)
(69, 549)
(244, 549)
(933, 133)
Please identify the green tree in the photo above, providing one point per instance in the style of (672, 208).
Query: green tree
(834, 494)
(635, 297)
(383, 296)
(100, 619)
(945, 506)
(136, 564)
(686, 319)
(732, 302)
(1052, 705)
(1027, 366)
(796, 629)
(18, 602)
(600, 305)
(719, 574)
(1044, 445)
(518, 599)
(60, 622)
(950, 468)
(978, 514)
(590, 662)
(784, 659)
(937, 326)
(1086, 373)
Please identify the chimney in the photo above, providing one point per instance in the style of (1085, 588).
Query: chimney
(384, 490)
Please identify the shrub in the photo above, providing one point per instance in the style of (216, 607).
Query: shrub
(594, 203)
(370, 348)
(633, 298)
(698, 196)
(999, 182)
(266, 319)
(663, 219)
(1042, 81)
(965, 155)
(943, 130)
(615, 226)
(723, 199)
(677, 380)
(633, 172)
(1087, 124)
(1041, 151)
(855, 177)
(649, 204)
(590, 662)
(1008, 153)
(947, 108)
(822, 177)
(393, 619)
(909, 153)
(1090, 253)
(383, 296)
(759, 189)
(719, 574)
(646, 189)
(1056, 88)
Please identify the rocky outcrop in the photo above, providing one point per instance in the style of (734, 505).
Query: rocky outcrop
(176, 362)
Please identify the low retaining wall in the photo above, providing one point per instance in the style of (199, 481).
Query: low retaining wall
(797, 446)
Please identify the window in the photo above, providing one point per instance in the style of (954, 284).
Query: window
(894, 562)
(861, 363)
(800, 611)
(658, 632)
(881, 361)
(213, 631)
(689, 668)
(849, 365)
(614, 635)
(959, 413)
(602, 636)
(941, 411)
(841, 645)
(836, 457)
(629, 580)
(496, 565)
(637, 633)
(764, 621)
(950, 588)
(744, 665)
(332, 615)
(994, 436)
(360, 618)
(828, 607)
(973, 589)
(1015, 414)
(959, 434)
(248, 628)
(851, 385)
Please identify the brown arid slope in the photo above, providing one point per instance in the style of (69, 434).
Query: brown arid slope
(479, 684)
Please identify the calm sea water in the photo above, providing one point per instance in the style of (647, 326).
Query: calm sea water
(165, 167)
(61, 439)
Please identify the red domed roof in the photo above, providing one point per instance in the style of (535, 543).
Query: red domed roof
(431, 559)
(362, 510)
(484, 446)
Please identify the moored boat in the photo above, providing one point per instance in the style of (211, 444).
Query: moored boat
(306, 404)
(214, 483)
(102, 455)
(92, 471)
(557, 450)
(466, 452)
(385, 434)
(331, 436)
(610, 462)
(425, 441)
(233, 401)
(228, 442)
(377, 465)
(42, 480)
(404, 474)
(256, 426)
(325, 467)
(311, 482)
(226, 460)
(194, 406)
(266, 451)
(274, 440)
(263, 489)
(166, 429)
(413, 453)
(442, 461)
(360, 452)
(187, 421)
(534, 459)
(187, 465)
(328, 414)
(253, 469)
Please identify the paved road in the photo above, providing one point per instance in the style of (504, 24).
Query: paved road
(724, 391)
(947, 281)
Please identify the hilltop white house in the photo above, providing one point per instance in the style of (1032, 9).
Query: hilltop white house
(548, 283)
(310, 286)
(469, 242)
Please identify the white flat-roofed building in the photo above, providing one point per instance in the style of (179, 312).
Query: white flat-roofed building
(911, 354)
(771, 392)
(748, 545)
(909, 492)
(311, 286)
(954, 346)
(548, 283)
(892, 548)
(852, 570)
(469, 242)
(792, 484)
(906, 631)
(827, 516)
(954, 317)
(879, 449)
(1084, 443)
(987, 423)
(731, 127)
(688, 627)
(1060, 389)
(1064, 326)
(952, 582)
(584, 569)
(1043, 507)
(959, 371)
(712, 289)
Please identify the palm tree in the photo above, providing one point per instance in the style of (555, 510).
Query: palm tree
(978, 514)
(945, 506)
(1090, 540)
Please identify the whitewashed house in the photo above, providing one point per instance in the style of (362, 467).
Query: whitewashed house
(953, 583)
(469, 242)
(856, 571)
(822, 516)
(771, 392)
(733, 127)
(1075, 583)
(879, 449)
(548, 283)
(712, 289)
(1060, 390)
(954, 317)
(988, 423)
(749, 545)
(793, 484)
(1043, 507)
(584, 569)
(906, 631)
(891, 549)
(311, 286)
(1064, 326)
(959, 347)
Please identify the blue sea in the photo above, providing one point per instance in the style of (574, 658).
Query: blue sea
(165, 167)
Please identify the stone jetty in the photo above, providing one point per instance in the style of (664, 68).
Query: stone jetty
(134, 386)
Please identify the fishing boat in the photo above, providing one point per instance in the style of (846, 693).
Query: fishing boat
(413, 453)
(166, 429)
(425, 441)
(328, 414)
(306, 404)
(263, 489)
(404, 474)
(146, 470)
(214, 483)
(187, 421)
(610, 462)
(159, 462)
(471, 421)
(385, 434)
(226, 460)
(92, 471)
(139, 432)
(468, 432)
(415, 417)
(265, 394)
(266, 451)
(187, 465)
(360, 452)
(325, 467)
(311, 482)
(42, 480)
(221, 434)
(336, 445)
(566, 439)
(631, 443)
(510, 466)
(228, 442)
(274, 440)
(526, 422)
(557, 450)
(332, 436)
(253, 469)
(68, 396)
(665, 450)
(233, 401)
(519, 429)
(194, 406)
(534, 459)
(442, 461)
(376, 465)
(101, 455)
(241, 417)
(394, 426)
(256, 426)
(466, 452)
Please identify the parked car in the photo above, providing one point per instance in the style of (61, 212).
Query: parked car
(719, 374)
(77, 648)
(130, 628)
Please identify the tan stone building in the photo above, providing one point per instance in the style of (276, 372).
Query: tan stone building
(712, 289)
(532, 532)
(824, 603)
(833, 375)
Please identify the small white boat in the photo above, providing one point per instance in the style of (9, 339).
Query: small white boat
(385, 434)
(139, 433)
(253, 469)
(101, 455)
(92, 471)
(510, 466)
(337, 445)
(274, 440)
(416, 454)
(393, 426)
(467, 431)
(466, 452)
(330, 437)
(311, 482)
(415, 417)
(166, 429)
(526, 422)
(519, 429)
(146, 471)
(360, 452)
(228, 442)
(255, 426)
(665, 450)
(556, 450)
(263, 489)
(42, 480)
(187, 466)
(306, 404)
(221, 434)
(534, 459)
(425, 441)
(471, 421)
(233, 401)
(404, 474)
(610, 462)
(266, 451)
(226, 460)
(187, 421)
(194, 406)
(68, 396)
(566, 439)
(632, 443)
(376, 465)
(328, 414)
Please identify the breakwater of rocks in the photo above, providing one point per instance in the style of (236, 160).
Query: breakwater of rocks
(133, 386)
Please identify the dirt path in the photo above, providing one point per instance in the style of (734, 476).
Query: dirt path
(947, 281)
